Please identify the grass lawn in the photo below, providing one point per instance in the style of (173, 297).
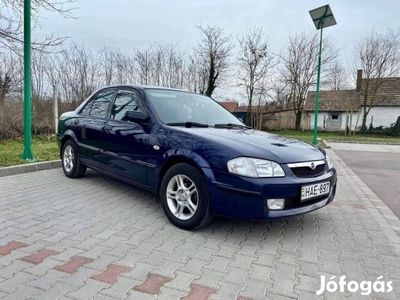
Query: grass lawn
(45, 148)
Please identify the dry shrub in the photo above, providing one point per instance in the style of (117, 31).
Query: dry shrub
(42, 117)
(12, 118)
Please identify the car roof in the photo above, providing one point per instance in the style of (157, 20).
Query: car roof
(142, 87)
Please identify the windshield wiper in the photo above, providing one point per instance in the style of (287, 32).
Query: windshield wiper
(230, 125)
(188, 124)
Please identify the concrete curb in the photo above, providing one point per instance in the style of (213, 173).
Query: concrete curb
(325, 145)
(31, 167)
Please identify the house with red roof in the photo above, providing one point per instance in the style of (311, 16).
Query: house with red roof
(338, 110)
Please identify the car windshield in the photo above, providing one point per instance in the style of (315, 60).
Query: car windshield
(178, 108)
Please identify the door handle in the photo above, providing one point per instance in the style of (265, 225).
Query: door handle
(76, 121)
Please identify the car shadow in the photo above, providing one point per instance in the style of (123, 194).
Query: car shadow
(220, 227)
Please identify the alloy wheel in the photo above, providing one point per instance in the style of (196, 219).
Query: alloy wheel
(182, 197)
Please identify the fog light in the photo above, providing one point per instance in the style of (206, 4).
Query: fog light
(276, 204)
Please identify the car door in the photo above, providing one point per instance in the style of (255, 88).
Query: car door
(89, 128)
(127, 141)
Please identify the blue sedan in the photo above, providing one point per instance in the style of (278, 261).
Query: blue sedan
(196, 157)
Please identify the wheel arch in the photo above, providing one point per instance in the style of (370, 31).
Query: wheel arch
(194, 160)
(68, 135)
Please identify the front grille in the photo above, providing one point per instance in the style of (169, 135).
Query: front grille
(308, 172)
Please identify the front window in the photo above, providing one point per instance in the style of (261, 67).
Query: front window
(125, 101)
(180, 107)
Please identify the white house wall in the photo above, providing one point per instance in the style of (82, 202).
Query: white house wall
(379, 116)
(383, 116)
(323, 123)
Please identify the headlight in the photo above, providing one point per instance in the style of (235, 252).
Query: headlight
(329, 162)
(253, 167)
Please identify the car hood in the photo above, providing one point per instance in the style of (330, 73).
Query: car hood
(254, 143)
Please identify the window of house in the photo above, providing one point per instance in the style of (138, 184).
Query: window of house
(334, 117)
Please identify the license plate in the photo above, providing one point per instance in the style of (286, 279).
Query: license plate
(314, 190)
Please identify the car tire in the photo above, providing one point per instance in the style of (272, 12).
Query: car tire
(71, 164)
(185, 197)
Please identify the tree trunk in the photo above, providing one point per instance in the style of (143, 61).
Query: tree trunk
(299, 114)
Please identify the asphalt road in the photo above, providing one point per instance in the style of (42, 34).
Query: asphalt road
(378, 166)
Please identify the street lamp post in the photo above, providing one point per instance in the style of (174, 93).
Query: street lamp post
(322, 18)
(27, 153)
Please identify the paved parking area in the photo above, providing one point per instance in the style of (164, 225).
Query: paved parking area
(98, 238)
(378, 166)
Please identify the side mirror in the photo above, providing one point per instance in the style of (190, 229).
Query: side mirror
(135, 116)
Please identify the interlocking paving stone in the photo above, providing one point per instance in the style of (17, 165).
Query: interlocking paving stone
(8, 259)
(168, 268)
(209, 278)
(7, 249)
(181, 281)
(121, 288)
(198, 292)
(111, 274)
(13, 268)
(255, 290)
(42, 268)
(167, 293)
(38, 257)
(117, 224)
(193, 266)
(227, 290)
(46, 281)
(243, 298)
(140, 271)
(22, 292)
(152, 284)
(90, 288)
(11, 284)
(74, 264)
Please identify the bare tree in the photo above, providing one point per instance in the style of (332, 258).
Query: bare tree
(299, 69)
(161, 65)
(114, 66)
(336, 78)
(122, 67)
(11, 22)
(143, 64)
(11, 70)
(280, 94)
(255, 61)
(106, 57)
(80, 73)
(378, 55)
(38, 79)
(170, 65)
(5, 82)
(212, 54)
(197, 75)
(53, 76)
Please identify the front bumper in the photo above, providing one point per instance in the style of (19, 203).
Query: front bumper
(246, 198)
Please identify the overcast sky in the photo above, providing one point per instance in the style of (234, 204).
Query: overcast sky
(126, 24)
